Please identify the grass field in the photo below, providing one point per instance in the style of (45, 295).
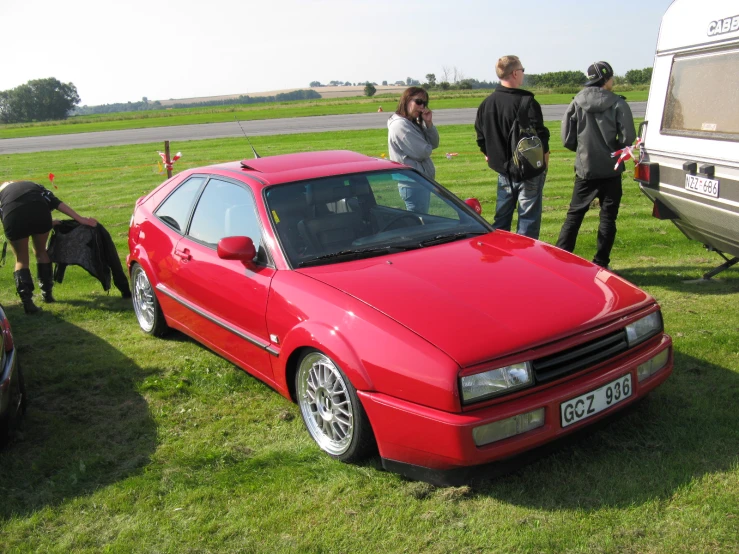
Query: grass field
(219, 114)
(139, 444)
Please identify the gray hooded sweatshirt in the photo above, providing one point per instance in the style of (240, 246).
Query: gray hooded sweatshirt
(411, 144)
(596, 124)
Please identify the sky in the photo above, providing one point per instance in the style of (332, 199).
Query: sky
(124, 51)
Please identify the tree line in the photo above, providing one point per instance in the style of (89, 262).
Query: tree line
(578, 78)
(552, 80)
(281, 97)
(50, 99)
(38, 100)
(144, 104)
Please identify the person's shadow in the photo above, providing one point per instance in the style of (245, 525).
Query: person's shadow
(86, 425)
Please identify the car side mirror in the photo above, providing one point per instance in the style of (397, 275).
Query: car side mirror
(237, 248)
(474, 203)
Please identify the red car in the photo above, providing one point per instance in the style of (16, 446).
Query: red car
(390, 311)
(13, 398)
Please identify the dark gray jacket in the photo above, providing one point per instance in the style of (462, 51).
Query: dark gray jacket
(596, 124)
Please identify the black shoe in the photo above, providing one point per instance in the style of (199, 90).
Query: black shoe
(24, 286)
(29, 307)
(46, 282)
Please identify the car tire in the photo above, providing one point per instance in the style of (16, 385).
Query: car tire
(145, 304)
(10, 422)
(331, 409)
(4, 431)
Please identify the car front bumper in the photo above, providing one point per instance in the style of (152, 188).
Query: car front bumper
(423, 442)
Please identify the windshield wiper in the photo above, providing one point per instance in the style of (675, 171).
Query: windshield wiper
(356, 254)
(450, 237)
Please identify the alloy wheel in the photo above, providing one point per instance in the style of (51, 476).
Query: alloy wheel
(325, 403)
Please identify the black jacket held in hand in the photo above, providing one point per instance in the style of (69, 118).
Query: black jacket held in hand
(494, 121)
(92, 249)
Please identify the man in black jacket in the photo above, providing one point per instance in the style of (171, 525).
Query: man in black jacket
(495, 118)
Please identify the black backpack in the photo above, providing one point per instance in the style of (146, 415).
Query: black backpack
(527, 150)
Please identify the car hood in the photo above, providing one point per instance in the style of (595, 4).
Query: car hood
(482, 298)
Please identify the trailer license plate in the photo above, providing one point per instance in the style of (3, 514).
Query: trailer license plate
(701, 185)
(592, 402)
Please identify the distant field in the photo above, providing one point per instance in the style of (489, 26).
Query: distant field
(325, 92)
(274, 110)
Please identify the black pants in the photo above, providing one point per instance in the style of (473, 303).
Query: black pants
(608, 192)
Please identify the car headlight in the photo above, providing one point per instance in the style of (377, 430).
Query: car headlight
(644, 328)
(496, 381)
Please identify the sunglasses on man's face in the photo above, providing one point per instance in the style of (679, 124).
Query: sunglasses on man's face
(420, 102)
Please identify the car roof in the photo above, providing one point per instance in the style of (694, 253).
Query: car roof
(287, 168)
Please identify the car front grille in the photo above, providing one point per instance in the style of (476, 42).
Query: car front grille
(579, 357)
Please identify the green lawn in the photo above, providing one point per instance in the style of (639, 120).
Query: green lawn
(219, 114)
(133, 443)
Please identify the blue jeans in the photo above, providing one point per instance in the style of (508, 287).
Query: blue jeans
(416, 197)
(528, 196)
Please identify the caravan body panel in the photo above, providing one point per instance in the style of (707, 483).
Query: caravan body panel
(691, 129)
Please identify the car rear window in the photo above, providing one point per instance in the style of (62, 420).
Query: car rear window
(175, 210)
(701, 97)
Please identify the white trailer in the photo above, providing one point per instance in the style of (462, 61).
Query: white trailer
(690, 151)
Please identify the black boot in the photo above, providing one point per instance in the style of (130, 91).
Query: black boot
(24, 286)
(46, 281)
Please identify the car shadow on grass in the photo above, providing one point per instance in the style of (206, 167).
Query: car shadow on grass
(683, 431)
(86, 425)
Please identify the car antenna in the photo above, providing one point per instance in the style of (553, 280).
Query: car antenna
(247, 139)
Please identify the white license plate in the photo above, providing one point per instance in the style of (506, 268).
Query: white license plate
(592, 402)
(701, 185)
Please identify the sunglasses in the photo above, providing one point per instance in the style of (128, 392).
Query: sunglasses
(419, 102)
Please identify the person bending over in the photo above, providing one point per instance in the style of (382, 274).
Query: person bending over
(25, 210)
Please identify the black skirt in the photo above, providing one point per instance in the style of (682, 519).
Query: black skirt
(32, 218)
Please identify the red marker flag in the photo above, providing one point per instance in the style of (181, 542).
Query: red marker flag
(172, 161)
(627, 153)
(51, 178)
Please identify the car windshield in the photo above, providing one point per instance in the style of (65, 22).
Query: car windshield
(337, 219)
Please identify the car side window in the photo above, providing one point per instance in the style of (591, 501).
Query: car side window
(175, 210)
(225, 210)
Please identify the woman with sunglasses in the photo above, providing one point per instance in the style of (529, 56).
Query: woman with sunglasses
(411, 138)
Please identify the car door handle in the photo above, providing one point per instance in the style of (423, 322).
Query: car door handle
(183, 254)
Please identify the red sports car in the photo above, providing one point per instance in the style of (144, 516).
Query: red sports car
(390, 311)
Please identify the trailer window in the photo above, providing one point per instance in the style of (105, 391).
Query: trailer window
(703, 95)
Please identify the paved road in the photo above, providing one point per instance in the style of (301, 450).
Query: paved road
(286, 126)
